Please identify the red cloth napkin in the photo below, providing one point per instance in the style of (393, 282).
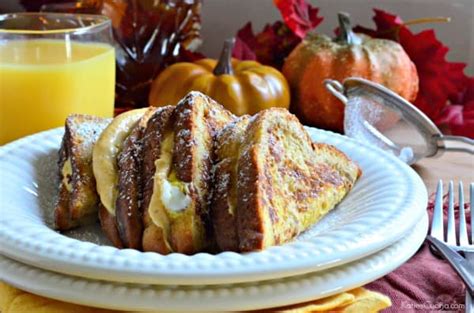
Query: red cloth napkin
(425, 283)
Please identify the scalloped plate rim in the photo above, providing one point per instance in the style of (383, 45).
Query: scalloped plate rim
(231, 297)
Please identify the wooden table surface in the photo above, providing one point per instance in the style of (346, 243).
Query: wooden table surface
(454, 166)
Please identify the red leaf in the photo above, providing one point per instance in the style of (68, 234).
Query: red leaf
(245, 43)
(273, 44)
(298, 15)
(440, 80)
(188, 56)
(459, 117)
(242, 51)
(270, 47)
(467, 95)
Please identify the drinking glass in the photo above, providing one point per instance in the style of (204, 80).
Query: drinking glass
(52, 65)
(149, 36)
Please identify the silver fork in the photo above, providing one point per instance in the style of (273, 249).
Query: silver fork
(463, 266)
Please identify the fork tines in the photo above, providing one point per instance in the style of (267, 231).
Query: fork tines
(437, 229)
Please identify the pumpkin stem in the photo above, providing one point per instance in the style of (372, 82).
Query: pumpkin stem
(424, 20)
(224, 65)
(396, 29)
(346, 35)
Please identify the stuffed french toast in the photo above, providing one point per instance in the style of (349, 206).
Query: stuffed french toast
(157, 160)
(195, 178)
(153, 169)
(272, 182)
(225, 178)
(116, 163)
(77, 200)
(178, 161)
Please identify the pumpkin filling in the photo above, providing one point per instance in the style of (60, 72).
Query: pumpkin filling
(170, 195)
(105, 153)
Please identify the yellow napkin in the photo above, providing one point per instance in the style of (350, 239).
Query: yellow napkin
(359, 300)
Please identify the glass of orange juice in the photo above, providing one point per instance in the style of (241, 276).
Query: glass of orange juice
(52, 65)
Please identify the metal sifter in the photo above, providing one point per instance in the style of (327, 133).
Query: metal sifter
(379, 116)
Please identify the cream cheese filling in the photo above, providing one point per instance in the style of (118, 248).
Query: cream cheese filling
(173, 198)
(169, 194)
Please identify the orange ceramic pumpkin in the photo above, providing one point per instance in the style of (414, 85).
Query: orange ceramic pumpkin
(243, 87)
(319, 57)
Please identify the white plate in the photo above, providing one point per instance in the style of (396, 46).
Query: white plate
(385, 203)
(246, 296)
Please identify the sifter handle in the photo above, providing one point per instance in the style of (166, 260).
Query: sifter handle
(336, 88)
(467, 144)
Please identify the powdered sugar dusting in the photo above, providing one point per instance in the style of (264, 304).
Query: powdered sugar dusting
(184, 138)
(46, 186)
(86, 128)
(90, 233)
(222, 184)
(47, 183)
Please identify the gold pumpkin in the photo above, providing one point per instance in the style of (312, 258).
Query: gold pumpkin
(318, 57)
(243, 87)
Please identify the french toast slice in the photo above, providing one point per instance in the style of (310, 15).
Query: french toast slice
(157, 145)
(179, 153)
(285, 183)
(224, 193)
(78, 200)
(116, 160)
(127, 205)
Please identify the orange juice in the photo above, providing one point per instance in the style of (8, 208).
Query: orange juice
(43, 81)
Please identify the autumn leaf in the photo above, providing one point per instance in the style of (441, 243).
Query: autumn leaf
(242, 51)
(185, 55)
(440, 80)
(270, 47)
(245, 43)
(273, 44)
(299, 16)
(459, 117)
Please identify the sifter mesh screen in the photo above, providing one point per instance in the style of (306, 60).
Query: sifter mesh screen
(373, 117)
